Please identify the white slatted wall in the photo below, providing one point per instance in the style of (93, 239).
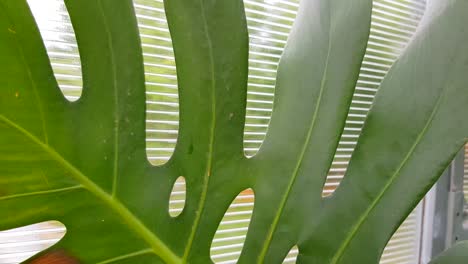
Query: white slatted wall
(269, 22)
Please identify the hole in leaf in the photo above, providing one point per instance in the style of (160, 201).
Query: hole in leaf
(177, 198)
(292, 255)
(405, 241)
(231, 233)
(57, 32)
(19, 244)
(382, 50)
(162, 99)
(269, 25)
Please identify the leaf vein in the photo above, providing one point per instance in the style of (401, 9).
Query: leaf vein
(115, 172)
(305, 146)
(127, 256)
(45, 192)
(394, 176)
(207, 173)
(133, 222)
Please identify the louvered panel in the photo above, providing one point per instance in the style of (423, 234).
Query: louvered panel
(269, 24)
(178, 197)
(403, 247)
(231, 233)
(292, 256)
(162, 121)
(57, 32)
(21, 243)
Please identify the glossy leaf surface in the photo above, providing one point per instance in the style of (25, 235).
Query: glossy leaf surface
(83, 163)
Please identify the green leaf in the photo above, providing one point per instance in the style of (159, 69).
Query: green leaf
(84, 164)
(457, 254)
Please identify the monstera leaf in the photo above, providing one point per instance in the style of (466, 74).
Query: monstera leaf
(83, 163)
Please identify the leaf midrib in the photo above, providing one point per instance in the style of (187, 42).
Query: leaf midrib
(206, 177)
(305, 146)
(134, 223)
(115, 172)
